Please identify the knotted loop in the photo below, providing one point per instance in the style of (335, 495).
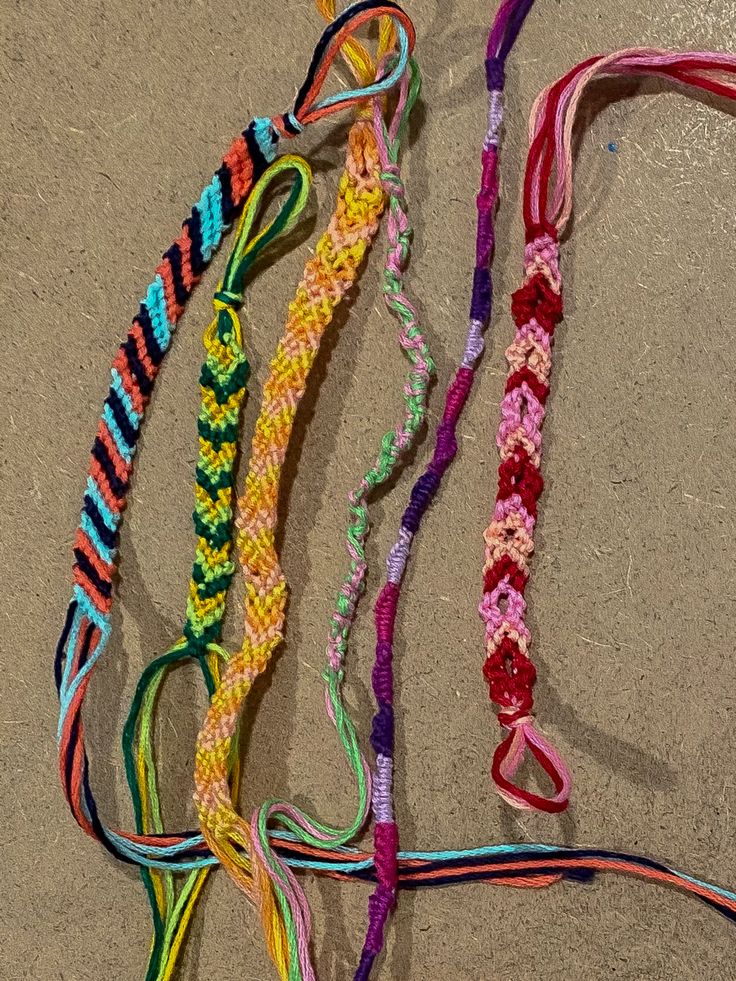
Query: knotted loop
(225, 299)
(523, 735)
(355, 54)
(247, 246)
(339, 35)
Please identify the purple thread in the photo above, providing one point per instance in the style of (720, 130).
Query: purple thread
(506, 26)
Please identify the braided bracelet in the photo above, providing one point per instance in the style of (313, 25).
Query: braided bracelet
(87, 627)
(536, 309)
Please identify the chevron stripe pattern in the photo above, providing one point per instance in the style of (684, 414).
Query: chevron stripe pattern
(509, 540)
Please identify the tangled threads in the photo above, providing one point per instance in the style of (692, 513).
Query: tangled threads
(523, 866)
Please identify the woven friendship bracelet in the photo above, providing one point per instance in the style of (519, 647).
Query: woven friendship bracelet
(87, 628)
(222, 384)
(536, 309)
(394, 445)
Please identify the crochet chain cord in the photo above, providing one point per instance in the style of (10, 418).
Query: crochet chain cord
(536, 308)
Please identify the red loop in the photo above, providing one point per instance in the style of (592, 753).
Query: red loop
(513, 747)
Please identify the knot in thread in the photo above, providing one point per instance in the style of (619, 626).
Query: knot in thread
(266, 136)
(541, 229)
(495, 75)
(515, 719)
(226, 300)
(293, 123)
(392, 182)
(287, 124)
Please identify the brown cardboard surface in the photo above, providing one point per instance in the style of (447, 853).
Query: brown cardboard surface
(114, 115)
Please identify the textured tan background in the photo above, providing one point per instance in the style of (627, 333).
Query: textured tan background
(114, 114)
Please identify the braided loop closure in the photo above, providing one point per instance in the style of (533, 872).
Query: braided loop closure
(135, 368)
(394, 446)
(328, 276)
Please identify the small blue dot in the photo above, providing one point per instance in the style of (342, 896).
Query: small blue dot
(613, 147)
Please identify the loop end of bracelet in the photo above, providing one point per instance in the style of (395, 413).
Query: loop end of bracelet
(523, 735)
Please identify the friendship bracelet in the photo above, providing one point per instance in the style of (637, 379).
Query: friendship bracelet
(222, 384)
(536, 308)
(87, 627)
(394, 445)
